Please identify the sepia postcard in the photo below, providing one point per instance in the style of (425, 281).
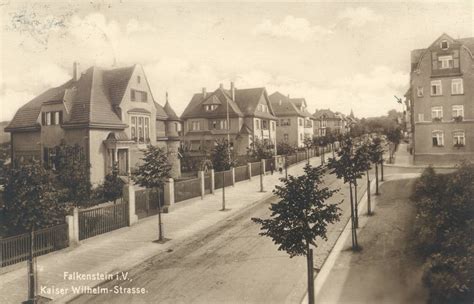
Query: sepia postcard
(237, 151)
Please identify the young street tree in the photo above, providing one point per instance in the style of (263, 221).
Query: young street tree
(257, 151)
(301, 216)
(286, 150)
(221, 162)
(393, 136)
(375, 156)
(362, 156)
(345, 167)
(153, 174)
(31, 203)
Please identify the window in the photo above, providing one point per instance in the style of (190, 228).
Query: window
(285, 122)
(458, 110)
(421, 117)
(459, 139)
(194, 125)
(138, 95)
(262, 108)
(324, 123)
(419, 91)
(273, 126)
(278, 123)
(264, 124)
(457, 87)
(138, 79)
(300, 122)
(285, 137)
(436, 89)
(140, 128)
(52, 118)
(257, 124)
(444, 45)
(438, 138)
(436, 112)
(301, 136)
(209, 108)
(446, 62)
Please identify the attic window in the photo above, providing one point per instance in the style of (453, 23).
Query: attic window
(210, 108)
(139, 79)
(444, 45)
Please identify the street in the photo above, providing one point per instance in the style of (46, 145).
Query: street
(229, 262)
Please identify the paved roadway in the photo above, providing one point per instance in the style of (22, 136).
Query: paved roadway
(228, 263)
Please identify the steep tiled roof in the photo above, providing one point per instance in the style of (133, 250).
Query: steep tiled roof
(284, 106)
(195, 108)
(160, 112)
(90, 100)
(170, 112)
(327, 114)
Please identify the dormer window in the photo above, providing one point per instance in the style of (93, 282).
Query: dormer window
(52, 118)
(262, 108)
(210, 108)
(136, 95)
(444, 45)
(446, 62)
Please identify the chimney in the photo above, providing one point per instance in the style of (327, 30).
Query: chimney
(204, 93)
(232, 90)
(166, 96)
(221, 86)
(76, 73)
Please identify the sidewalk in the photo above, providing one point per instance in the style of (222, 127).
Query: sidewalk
(125, 248)
(403, 159)
(385, 271)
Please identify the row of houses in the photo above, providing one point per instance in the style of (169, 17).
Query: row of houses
(440, 102)
(112, 115)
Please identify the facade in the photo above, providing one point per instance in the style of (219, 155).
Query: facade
(294, 122)
(441, 101)
(249, 112)
(109, 113)
(328, 121)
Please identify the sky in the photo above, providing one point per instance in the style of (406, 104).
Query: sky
(337, 55)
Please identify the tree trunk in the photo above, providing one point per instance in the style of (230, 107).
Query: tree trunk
(223, 190)
(369, 211)
(356, 205)
(376, 179)
(261, 177)
(354, 231)
(31, 269)
(333, 153)
(160, 223)
(309, 260)
(381, 170)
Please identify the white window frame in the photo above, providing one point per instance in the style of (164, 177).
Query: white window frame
(457, 86)
(257, 124)
(421, 117)
(437, 84)
(459, 137)
(457, 110)
(447, 62)
(437, 112)
(439, 138)
(324, 123)
(441, 44)
(419, 91)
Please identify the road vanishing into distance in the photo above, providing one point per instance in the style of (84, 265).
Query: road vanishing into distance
(229, 263)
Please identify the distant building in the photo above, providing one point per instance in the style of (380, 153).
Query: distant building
(441, 101)
(110, 113)
(327, 121)
(250, 115)
(294, 122)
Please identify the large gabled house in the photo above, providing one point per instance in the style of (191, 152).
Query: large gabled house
(250, 116)
(110, 113)
(441, 101)
(294, 122)
(327, 121)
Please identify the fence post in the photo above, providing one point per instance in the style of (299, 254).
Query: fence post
(249, 165)
(203, 186)
(169, 193)
(233, 176)
(75, 214)
(128, 194)
(213, 183)
(73, 237)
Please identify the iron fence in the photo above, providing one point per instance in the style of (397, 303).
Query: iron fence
(16, 248)
(187, 189)
(101, 219)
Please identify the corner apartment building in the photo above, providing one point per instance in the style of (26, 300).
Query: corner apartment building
(250, 117)
(110, 113)
(327, 121)
(441, 100)
(294, 122)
